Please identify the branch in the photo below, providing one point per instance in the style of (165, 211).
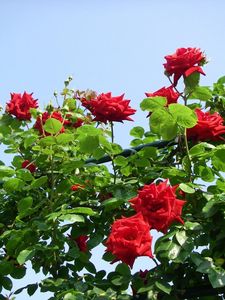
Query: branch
(130, 151)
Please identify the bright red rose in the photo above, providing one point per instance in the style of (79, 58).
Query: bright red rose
(44, 117)
(209, 127)
(77, 186)
(169, 93)
(184, 62)
(129, 239)
(82, 242)
(107, 108)
(20, 105)
(26, 164)
(159, 205)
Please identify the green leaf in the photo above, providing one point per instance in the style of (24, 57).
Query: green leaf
(217, 277)
(64, 138)
(191, 81)
(6, 267)
(39, 182)
(80, 210)
(123, 269)
(88, 130)
(162, 123)
(6, 282)
(163, 286)
(24, 256)
(183, 115)
(47, 141)
(6, 171)
(137, 132)
(202, 93)
(186, 188)
(71, 218)
(88, 144)
(24, 174)
(181, 237)
(52, 126)
(24, 204)
(31, 289)
(218, 160)
(95, 240)
(120, 161)
(192, 226)
(174, 251)
(153, 103)
(13, 184)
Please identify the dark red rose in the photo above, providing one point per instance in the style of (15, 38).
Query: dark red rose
(184, 62)
(44, 117)
(169, 93)
(107, 108)
(129, 239)
(82, 242)
(20, 105)
(26, 164)
(209, 127)
(77, 186)
(159, 205)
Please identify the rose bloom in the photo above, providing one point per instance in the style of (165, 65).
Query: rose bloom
(159, 205)
(129, 239)
(42, 119)
(108, 108)
(184, 62)
(77, 186)
(209, 127)
(26, 164)
(169, 93)
(20, 105)
(82, 242)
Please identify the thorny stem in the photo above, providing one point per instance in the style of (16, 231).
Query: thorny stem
(113, 165)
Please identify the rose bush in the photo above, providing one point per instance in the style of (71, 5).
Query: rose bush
(59, 199)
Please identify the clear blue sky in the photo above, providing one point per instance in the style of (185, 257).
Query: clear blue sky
(115, 46)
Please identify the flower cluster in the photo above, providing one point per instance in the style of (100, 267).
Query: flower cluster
(157, 208)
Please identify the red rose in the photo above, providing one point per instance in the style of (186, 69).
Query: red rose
(19, 106)
(26, 164)
(42, 119)
(129, 239)
(77, 186)
(184, 62)
(82, 242)
(159, 205)
(169, 93)
(107, 108)
(209, 127)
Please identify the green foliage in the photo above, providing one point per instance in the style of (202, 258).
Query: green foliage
(70, 195)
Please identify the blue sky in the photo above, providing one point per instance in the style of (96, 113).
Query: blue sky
(116, 46)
